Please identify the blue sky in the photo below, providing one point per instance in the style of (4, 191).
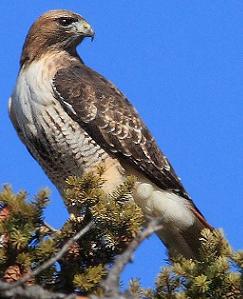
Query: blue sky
(180, 64)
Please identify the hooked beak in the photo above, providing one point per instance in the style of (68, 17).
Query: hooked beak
(84, 29)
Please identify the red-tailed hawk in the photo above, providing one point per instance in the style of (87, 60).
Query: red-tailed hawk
(72, 119)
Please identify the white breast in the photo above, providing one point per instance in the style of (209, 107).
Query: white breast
(59, 144)
(31, 93)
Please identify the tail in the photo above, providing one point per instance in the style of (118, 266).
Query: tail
(184, 241)
(181, 221)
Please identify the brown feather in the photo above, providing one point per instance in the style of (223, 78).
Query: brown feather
(109, 118)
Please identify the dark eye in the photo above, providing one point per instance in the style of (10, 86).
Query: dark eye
(66, 21)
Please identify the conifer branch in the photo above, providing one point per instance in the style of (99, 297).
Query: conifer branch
(111, 283)
(30, 292)
(53, 259)
(27, 243)
(50, 227)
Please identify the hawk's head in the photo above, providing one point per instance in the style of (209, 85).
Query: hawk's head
(56, 29)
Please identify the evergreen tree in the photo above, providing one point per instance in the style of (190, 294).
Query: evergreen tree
(27, 242)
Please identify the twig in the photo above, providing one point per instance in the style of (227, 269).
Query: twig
(111, 283)
(51, 228)
(30, 292)
(53, 259)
